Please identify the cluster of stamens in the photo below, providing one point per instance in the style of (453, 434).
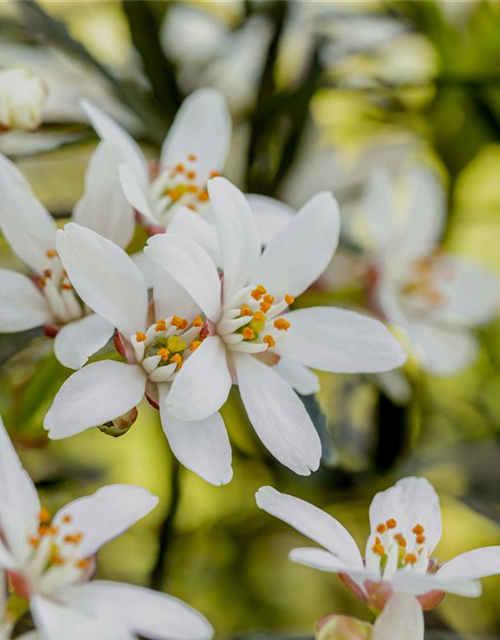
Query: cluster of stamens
(178, 185)
(164, 347)
(250, 322)
(59, 293)
(421, 288)
(388, 550)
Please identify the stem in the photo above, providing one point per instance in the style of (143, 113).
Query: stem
(166, 533)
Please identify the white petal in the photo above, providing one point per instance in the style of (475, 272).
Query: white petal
(77, 341)
(170, 298)
(272, 216)
(401, 618)
(296, 258)
(19, 503)
(201, 446)
(378, 209)
(22, 305)
(24, 221)
(302, 379)
(478, 563)
(320, 559)
(146, 266)
(92, 396)
(135, 193)
(191, 266)
(105, 515)
(141, 611)
(111, 132)
(238, 236)
(103, 207)
(341, 341)
(201, 127)
(202, 386)
(410, 501)
(105, 277)
(313, 523)
(417, 584)
(191, 224)
(278, 415)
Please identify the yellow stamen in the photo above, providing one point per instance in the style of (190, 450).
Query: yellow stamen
(391, 523)
(140, 337)
(270, 341)
(59, 560)
(179, 168)
(83, 564)
(258, 292)
(245, 311)
(191, 188)
(51, 253)
(192, 157)
(67, 518)
(174, 194)
(289, 299)
(194, 345)
(400, 540)
(66, 287)
(418, 529)
(191, 175)
(214, 174)
(44, 515)
(381, 528)
(34, 542)
(410, 558)
(264, 307)
(73, 538)
(177, 358)
(164, 354)
(283, 325)
(248, 334)
(420, 539)
(161, 325)
(203, 196)
(198, 321)
(179, 323)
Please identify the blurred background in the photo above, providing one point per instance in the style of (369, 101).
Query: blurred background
(321, 94)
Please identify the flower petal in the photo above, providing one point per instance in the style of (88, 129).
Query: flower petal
(277, 415)
(201, 446)
(141, 611)
(478, 563)
(410, 501)
(313, 523)
(191, 266)
(296, 258)
(135, 194)
(341, 341)
(238, 236)
(402, 617)
(24, 221)
(320, 559)
(105, 277)
(105, 515)
(202, 386)
(111, 132)
(170, 298)
(19, 503)
(300, 378)
(77, 341)
(417, 584)
(272, 216)
(191, 224)
(22, 305)
(201, 127)
(378, 210)
(92, 396)
(103, 207)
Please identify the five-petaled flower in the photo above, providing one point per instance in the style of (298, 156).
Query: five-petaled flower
(50, 561)
(47, 298)
(253, 339)
(405, 524)
(434, 297)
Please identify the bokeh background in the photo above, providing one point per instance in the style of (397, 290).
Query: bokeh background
(320, 94)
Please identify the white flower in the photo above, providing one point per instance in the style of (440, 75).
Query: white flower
(22, 95)
(47, 298)
(432, 296)
(156, 345)
(195, 149)
(405, 524)
(251, 328)
(50, 561)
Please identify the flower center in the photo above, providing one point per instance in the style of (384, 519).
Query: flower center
(388, 550)
(420, 289)
(165, 346)
(59, 293)
(176, 186)
(250, 322)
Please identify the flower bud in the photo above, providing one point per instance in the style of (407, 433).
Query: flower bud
(334, 627)
(22, 95)
(119, 426)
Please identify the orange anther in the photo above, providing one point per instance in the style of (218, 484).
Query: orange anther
(179, 323)
(203, 196)
(47, 273)
(191, 175)
(214, 174)
(177, 358)
(83, 564)
(163, 353)
(269, 299)
(191, 188)
(245, 311)
(248, 333)
(44, 515)
(378, 548)
(140, 337)
(194, 345)
(259, 316)
(51, 253)
(391, 523)
(193, 207)
(418, 529)
(198, 321)
(161, 325)
(270, 341)
(381, 528)
(66, 286)
(53, 530)
(179, 167)
(264, 307)
(283, 325)
(258, 292)
(192, 157)
(75, 538)
(34, 542)
(289, 299)
(410, 558)
(58, 560)
(400, 540)
(67, 518)
(174, 194)
(420, 539)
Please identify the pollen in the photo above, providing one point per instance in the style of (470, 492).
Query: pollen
(198, 321)
(245, 311)
(283, 325)
(177, 358)
(194, 345)
(179, 323)
(164, 354)
(391, 523)
(161, 325)
(258, 292)
(176, 344)
(381, 528)
(140, 337)
(269, 340)
(51, 253)
(192, 157)
(289, 299)
(248, 333)
(410, 558)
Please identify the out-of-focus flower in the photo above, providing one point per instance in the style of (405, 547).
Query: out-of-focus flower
(402, 619)
(47, 298)
(21, 99)
(194, 150)
(405, 523)
(433, 296)
(157, 346)
(253, 338)
(49, 561)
